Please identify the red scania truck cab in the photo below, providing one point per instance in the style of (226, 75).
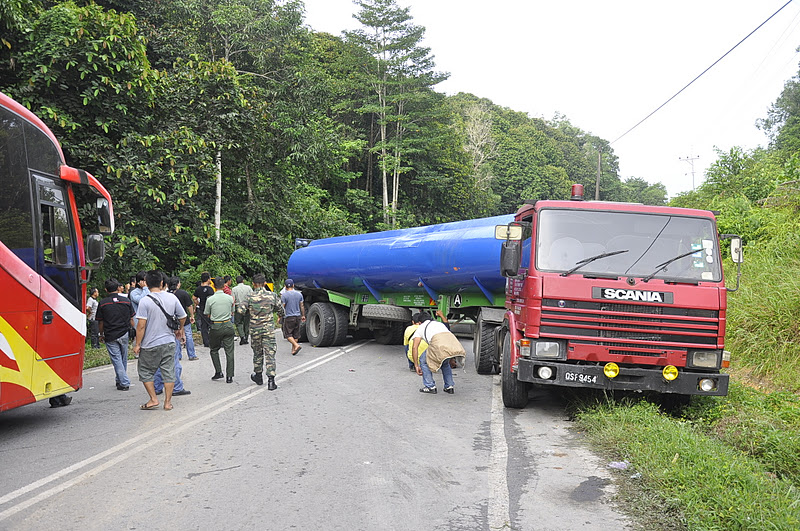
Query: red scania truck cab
(613, 296)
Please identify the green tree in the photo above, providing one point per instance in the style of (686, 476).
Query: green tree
(637, 190)
(400, 75)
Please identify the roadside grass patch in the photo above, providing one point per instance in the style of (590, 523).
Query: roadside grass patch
(697, 477)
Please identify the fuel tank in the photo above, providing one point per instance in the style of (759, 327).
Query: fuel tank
(448, 258)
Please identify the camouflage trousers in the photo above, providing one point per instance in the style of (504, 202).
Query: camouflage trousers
(264, 348)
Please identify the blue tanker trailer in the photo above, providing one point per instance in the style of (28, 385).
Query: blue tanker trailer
(370, 283)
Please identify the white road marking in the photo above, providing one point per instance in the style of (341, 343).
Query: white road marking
(149, 438)
(498, 463)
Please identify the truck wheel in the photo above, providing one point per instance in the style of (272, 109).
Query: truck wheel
(386, 312)
(303, 334)
(321, 324)
(391, 335)
(342, 318)
(483, 346)
(515, 393)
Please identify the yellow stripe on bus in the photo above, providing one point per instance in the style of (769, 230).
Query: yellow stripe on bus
(34, 374)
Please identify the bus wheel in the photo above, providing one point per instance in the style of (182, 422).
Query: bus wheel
(515, 392)
(60, 401)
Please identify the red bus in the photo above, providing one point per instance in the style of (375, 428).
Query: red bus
(44, 262)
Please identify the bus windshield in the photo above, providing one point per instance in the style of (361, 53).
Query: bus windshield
(646, 245)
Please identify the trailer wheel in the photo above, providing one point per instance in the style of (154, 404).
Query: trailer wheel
(391, 335)
(342, 318)
(483, 346)
(321, 324)
(515, 393)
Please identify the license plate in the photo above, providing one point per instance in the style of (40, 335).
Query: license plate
(580, 378)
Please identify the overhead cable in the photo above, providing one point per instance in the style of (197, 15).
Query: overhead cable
(701, 73)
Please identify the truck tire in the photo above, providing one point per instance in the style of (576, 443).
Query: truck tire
(484, 346)
(303, 334)
(342, 317)
(386, 312)
(391, 335)
(321, 324)
(515, 393)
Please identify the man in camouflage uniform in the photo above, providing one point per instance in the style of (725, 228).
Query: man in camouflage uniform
(261, 304)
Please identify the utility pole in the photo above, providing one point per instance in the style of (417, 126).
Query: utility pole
(690, 160)
(597, 184)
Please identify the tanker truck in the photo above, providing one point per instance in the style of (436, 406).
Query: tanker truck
(613, 296)
(367, 285)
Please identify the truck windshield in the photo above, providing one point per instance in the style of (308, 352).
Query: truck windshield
(627, 244)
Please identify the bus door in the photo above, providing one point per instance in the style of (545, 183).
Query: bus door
(61, 321)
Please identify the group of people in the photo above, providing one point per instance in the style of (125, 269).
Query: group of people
(144, 309)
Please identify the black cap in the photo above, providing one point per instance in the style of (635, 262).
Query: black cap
(289, 282)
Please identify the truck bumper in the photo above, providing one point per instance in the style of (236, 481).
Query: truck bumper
(629, 379)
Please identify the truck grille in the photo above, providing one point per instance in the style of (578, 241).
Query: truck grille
(630, 328)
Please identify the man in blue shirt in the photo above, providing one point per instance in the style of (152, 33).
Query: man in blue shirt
(295, 315)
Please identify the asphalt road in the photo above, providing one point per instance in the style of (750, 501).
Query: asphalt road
(346, 442)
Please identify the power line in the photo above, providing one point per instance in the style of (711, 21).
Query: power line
(703, 72)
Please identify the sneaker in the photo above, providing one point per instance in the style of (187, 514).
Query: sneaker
(449, 390)
(122, 387)
(182, 392)
(194, 359)
(429, 390)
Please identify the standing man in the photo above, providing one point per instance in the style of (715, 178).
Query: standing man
(201, 295)
(114, 320)
(442, 346)
(241, 292)
(295, 314)
(91, 314)
(139, 291)
(184, 298)
(155, 341)
(261, 304)
(218, 308)
(188, 305)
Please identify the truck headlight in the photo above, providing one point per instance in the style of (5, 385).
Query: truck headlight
(708, 359)
(548, 349)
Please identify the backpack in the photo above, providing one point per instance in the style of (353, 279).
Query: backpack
(172, 322)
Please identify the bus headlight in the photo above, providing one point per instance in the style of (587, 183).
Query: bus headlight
(611, 370)
(708, 359)
(670, 372)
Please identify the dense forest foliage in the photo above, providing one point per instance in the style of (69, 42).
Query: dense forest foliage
(225, 129)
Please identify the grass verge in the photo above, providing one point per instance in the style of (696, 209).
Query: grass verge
(703, 470)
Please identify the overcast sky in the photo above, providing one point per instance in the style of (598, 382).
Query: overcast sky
(605, 65)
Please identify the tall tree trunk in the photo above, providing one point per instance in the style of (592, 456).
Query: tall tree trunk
(249, 183)
(218, 203)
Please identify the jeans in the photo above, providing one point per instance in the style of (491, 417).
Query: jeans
(118, 352)
(158, 382)
(427, 375)
(187, 331)
(94, 333)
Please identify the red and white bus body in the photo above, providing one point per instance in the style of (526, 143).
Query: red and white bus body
(43, 263)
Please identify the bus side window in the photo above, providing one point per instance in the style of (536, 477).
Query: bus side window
(58, 251)
(16, 220)
(56, 240)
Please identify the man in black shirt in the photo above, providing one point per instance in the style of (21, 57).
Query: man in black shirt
(114, 318)
(203, 292)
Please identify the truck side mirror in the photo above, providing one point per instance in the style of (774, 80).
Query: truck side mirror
(510, 258)
(95, 249)
(737, 255)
